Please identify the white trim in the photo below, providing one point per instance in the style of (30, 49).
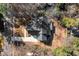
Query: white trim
(25, 39)
(39, 1)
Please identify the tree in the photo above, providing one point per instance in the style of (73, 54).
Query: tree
(3, 8)
(62, 7)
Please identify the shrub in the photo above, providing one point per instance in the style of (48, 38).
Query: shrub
(62, 51)
(3, 8)
(75, 46)
(72, 50)
(75, 42)
(68, 22)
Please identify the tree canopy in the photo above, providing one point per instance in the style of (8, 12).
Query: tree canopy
(69, 22)
(3, 8)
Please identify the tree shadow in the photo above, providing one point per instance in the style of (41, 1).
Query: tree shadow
(1, 23)
(5, 28)
(50, 37)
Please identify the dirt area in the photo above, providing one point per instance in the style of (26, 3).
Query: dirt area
(32, 49)
(59, 36)
(36, 49)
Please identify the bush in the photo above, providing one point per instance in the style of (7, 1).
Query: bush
(72, 50)
(75, 46)
(62, 51)
(68, 22)
(75, 42)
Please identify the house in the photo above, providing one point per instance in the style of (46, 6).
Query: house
(43, 32)
(36, 32)
(38, 27)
